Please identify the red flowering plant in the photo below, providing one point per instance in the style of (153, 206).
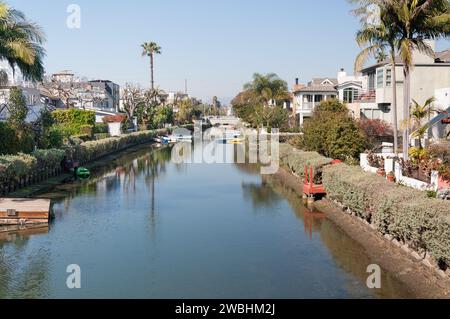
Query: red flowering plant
(115, 119)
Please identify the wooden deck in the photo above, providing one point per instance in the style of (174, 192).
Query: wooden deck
(18, 211)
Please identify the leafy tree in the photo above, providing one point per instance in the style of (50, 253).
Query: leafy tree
(150, 49)
(17, 107)
(332, 132)
(164, 115)
(21, 43)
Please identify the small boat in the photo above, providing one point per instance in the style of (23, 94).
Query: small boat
(180, 138)
(83, 173)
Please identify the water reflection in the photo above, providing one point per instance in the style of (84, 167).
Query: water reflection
(184, 230)
(347, 253)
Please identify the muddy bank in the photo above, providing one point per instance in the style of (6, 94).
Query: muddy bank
(422, 281)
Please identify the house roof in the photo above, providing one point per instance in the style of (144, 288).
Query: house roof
(320, 85)
(440, 57)
(443, 56)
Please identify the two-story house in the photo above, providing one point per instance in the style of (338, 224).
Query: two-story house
(429, 75)
(306, 98)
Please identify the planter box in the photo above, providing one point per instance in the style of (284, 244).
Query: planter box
(115, 129)
(443, 184)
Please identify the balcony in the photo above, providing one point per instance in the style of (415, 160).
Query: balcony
(365, 97)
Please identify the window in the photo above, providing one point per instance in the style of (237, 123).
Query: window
(388, 77)
(350, 95)
(371, 81)
(318, 98)
(380, 78)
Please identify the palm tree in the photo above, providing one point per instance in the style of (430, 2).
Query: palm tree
(418, 114)
(150, 49)
(375, 41)
(268, 88)
(412, 22)
(21, 43)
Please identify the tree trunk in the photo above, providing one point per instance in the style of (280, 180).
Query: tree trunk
(152, 82)
(394, 101)
(406, 112)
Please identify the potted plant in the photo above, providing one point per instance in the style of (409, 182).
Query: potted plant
(381, 172)
(391, 177)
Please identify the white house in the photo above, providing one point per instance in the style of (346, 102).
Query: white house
(10, 79)
(306, 98)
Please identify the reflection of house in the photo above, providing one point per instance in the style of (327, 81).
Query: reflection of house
(306, 98)
(10, 79)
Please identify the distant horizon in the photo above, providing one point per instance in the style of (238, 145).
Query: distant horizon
(216, 48)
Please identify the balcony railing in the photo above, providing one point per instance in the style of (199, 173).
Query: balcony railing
(365, 96)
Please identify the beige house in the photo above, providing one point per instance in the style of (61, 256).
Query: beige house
(428, 76)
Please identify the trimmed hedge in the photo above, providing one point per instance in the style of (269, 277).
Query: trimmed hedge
(74, 121)
(404, 213)
(93, 150)
(16, 170)
(296, 160)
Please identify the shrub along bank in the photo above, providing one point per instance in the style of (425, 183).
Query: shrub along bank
(404, 213)
(22, 169)
(296, 160)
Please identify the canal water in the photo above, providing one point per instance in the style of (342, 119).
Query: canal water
(145, 227)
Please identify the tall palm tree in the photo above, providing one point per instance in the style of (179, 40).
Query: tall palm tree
(375, 39)
(413, 22)
(150, 49)
(21, 43)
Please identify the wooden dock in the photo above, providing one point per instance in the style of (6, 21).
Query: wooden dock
(21, 211)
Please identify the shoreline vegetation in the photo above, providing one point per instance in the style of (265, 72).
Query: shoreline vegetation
(405, 217)
(25, 170)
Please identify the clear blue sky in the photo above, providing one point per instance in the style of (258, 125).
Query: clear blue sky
(216, 45)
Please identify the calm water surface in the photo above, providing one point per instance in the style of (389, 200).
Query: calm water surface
(147, 228)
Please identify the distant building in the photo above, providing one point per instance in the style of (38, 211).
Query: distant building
(64, 89)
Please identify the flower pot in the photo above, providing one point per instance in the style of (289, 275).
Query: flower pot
(381, 172)
(390, 178)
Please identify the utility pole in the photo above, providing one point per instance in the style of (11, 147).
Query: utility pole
(185, 86)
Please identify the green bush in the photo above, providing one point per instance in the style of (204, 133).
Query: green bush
(15, 167)
(50, 158)
(53, 138)
(101, 128)
(333, 133)
(406, 214)
(72, 121)
(91, 150)
(8, 140)
(296, 160)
